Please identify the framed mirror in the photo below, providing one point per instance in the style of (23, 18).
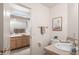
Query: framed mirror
(57, 24)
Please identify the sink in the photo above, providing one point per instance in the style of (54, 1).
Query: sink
(64, 46)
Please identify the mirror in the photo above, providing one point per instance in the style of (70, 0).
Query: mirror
(19, 26)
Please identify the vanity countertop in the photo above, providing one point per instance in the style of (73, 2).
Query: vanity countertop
(20, 34)
(52, 49)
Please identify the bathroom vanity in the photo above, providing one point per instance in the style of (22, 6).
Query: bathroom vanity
(59, 49)
(19, 41)
(51, 50)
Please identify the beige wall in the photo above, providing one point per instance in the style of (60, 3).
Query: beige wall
(69, 13)
(73, 20)
(57, 11)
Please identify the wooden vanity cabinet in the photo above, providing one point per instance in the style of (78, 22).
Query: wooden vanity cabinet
(19, 41)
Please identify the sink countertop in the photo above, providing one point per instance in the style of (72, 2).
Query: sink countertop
(51, 48)
(20, 34)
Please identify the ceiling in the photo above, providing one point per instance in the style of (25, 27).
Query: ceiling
(49, 5)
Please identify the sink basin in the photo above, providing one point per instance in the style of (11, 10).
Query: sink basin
(64, 46)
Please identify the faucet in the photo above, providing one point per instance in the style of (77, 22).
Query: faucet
(74, 44)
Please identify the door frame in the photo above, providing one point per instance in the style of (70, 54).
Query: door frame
(6, 43)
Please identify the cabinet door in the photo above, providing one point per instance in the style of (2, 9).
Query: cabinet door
(19, 42)
(26, 40)
(13, 43)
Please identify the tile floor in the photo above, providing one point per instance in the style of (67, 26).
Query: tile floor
(22, 51)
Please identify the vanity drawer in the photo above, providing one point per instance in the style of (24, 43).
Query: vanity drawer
(19, 42)
(24, 42)
(13, 44)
